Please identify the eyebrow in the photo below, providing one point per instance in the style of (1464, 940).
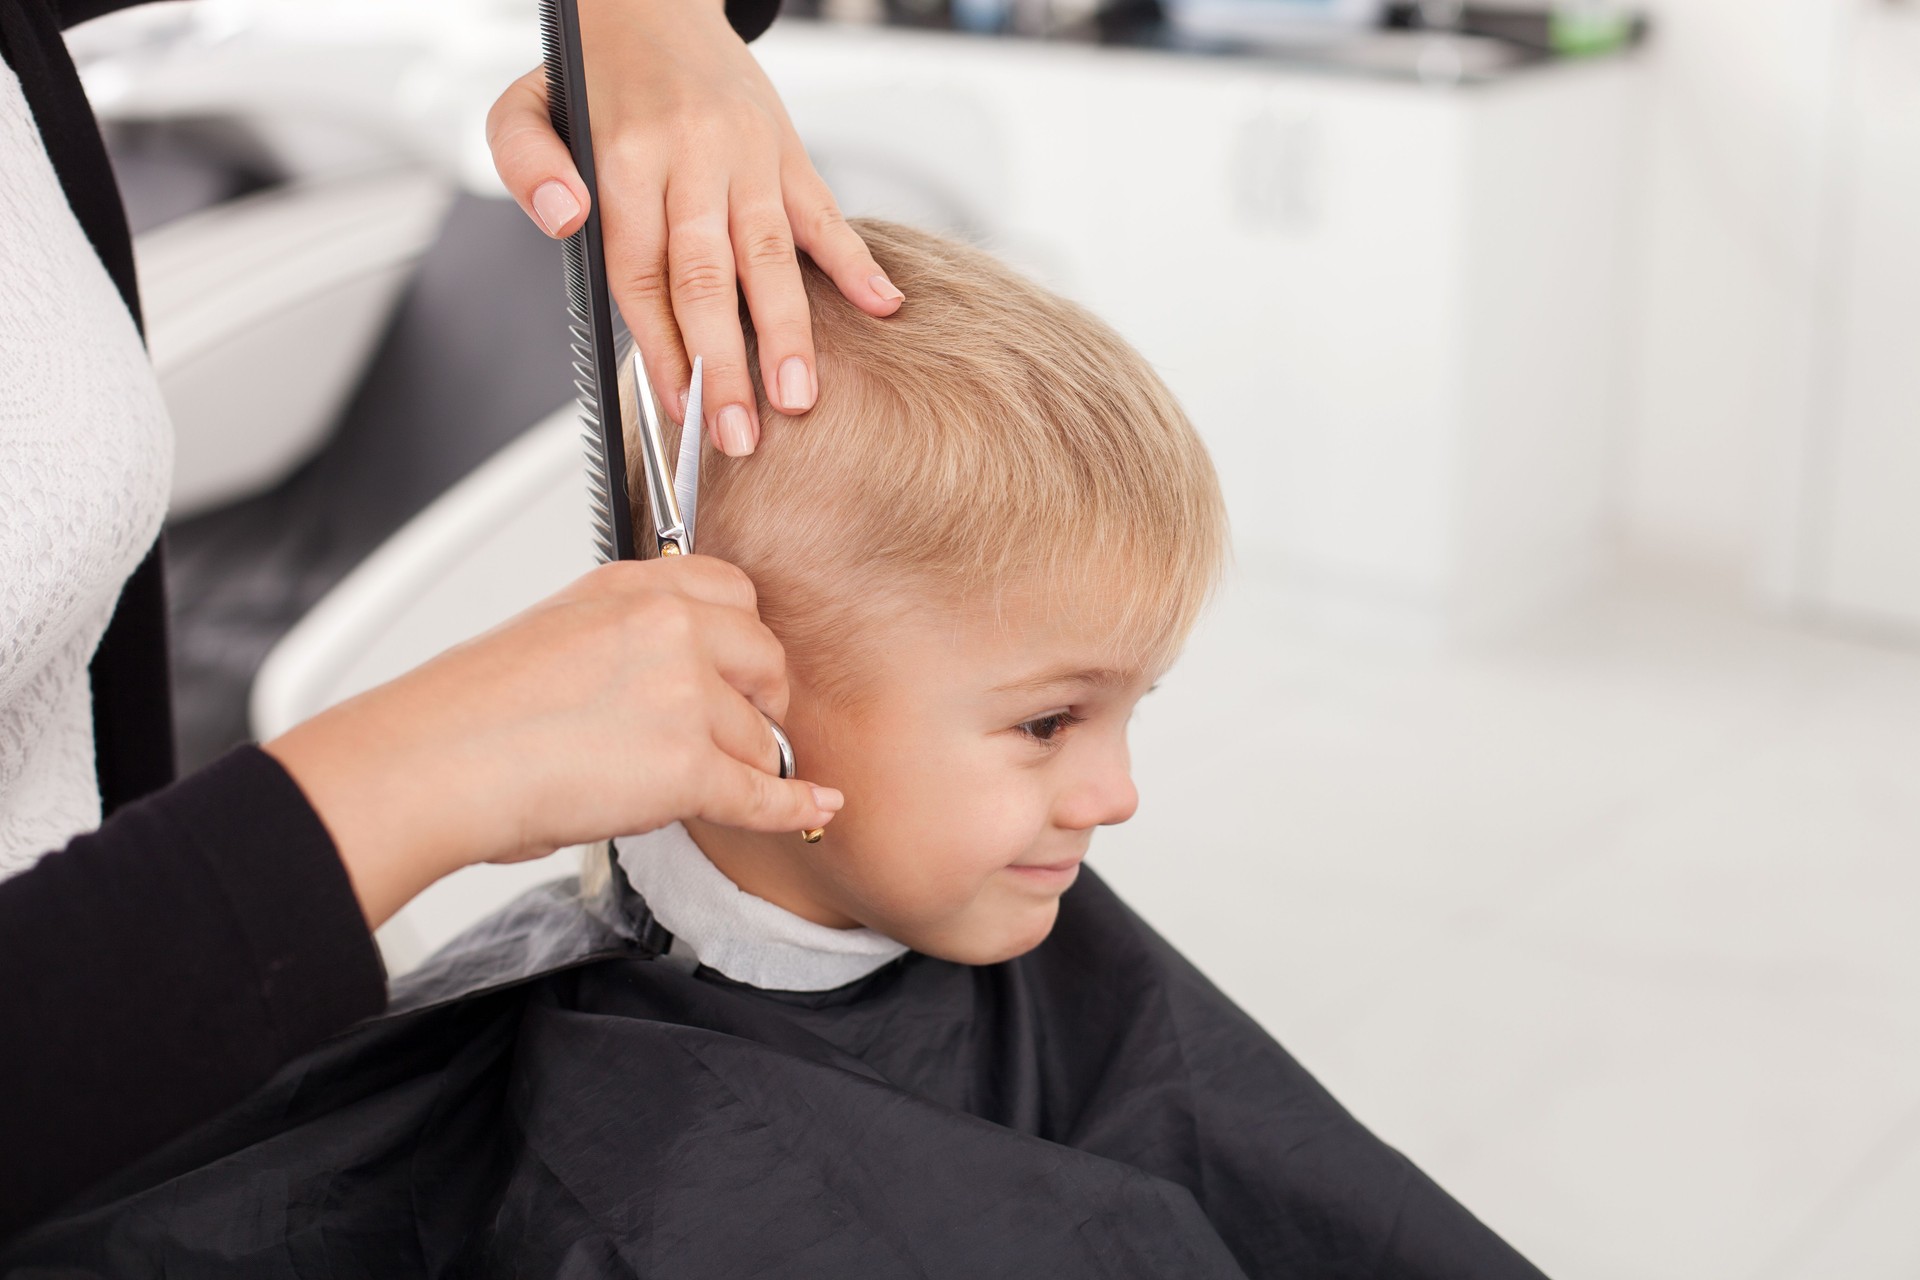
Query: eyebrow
(1057, 677)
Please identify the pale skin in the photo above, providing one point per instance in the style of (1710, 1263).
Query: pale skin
(979, 755)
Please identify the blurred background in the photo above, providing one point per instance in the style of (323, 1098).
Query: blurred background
(1547, 777)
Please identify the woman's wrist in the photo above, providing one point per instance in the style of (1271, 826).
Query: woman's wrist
(396, 823)
(617, 6)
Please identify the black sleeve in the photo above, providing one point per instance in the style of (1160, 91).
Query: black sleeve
(751, 18)
(156, 971)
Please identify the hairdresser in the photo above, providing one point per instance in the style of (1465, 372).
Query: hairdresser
(158, 965)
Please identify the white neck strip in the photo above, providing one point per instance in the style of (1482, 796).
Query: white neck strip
(748, 939)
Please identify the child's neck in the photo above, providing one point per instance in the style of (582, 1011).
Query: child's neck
(768, 866)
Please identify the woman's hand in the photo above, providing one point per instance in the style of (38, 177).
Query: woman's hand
(702, 180)
(629, 700)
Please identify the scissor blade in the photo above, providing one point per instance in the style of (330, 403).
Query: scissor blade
(642, 419)
(686, 474)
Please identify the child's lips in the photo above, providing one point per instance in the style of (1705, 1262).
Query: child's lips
(1060, 871)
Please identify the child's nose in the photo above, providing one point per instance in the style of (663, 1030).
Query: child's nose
(1104, 798)
(1123, 801)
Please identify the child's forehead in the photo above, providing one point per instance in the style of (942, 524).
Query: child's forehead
(1075, 673)
(1017, 643)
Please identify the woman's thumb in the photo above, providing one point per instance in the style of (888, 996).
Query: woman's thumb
(532, 161)
(744, 796)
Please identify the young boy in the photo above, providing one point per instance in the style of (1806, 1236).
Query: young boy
(979, 553)
(932, 1043)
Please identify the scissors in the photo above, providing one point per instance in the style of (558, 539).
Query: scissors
(615, 377)
(673, 496)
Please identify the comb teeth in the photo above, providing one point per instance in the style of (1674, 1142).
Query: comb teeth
(600, 496)
(577, 296)
(556, 74)
(590, 316)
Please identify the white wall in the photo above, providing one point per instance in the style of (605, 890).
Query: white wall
(1728, 263)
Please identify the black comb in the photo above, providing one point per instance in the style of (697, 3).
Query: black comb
(589, 307)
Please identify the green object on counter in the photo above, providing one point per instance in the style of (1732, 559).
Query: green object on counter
(1578, 30)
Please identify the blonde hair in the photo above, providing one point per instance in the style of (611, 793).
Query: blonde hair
(988, 437)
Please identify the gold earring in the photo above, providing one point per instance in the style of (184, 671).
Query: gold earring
(813, 836)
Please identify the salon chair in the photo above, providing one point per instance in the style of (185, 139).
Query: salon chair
(262, 313)
(280, 201)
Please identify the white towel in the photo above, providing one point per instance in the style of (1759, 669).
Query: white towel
(746, 938)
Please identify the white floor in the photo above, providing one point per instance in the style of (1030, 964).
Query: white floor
(1610, 929)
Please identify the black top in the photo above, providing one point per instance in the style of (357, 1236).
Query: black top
(160, 968)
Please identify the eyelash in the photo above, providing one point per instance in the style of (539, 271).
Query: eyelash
(1060, 721)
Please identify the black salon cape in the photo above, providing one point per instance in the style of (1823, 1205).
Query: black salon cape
(1094, 1108)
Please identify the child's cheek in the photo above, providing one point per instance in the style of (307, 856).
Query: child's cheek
(935, 866)
(943, 811)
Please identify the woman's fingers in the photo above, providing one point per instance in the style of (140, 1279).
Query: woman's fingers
(776, 298)
(827, 238)
(703, 578)
(706, 601)
(701, 277)
(741, 732)
(745, 654)
(739, 795)
(635, 217)
(712, 580)
(531, 159)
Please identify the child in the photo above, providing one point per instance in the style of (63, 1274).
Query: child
(979, 552)
(930, 1044)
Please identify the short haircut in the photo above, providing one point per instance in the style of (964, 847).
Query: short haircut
(989, 440)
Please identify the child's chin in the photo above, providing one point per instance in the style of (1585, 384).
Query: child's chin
(1008, 933)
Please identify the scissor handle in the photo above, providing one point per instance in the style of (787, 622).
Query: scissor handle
(790, 768)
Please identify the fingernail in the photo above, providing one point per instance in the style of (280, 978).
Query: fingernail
(796, 385)
(829, 800)
(884, 287)
(736, 432)
(683, 408)
(555, 205)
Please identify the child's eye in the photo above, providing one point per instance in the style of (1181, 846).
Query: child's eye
(1049, 727)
